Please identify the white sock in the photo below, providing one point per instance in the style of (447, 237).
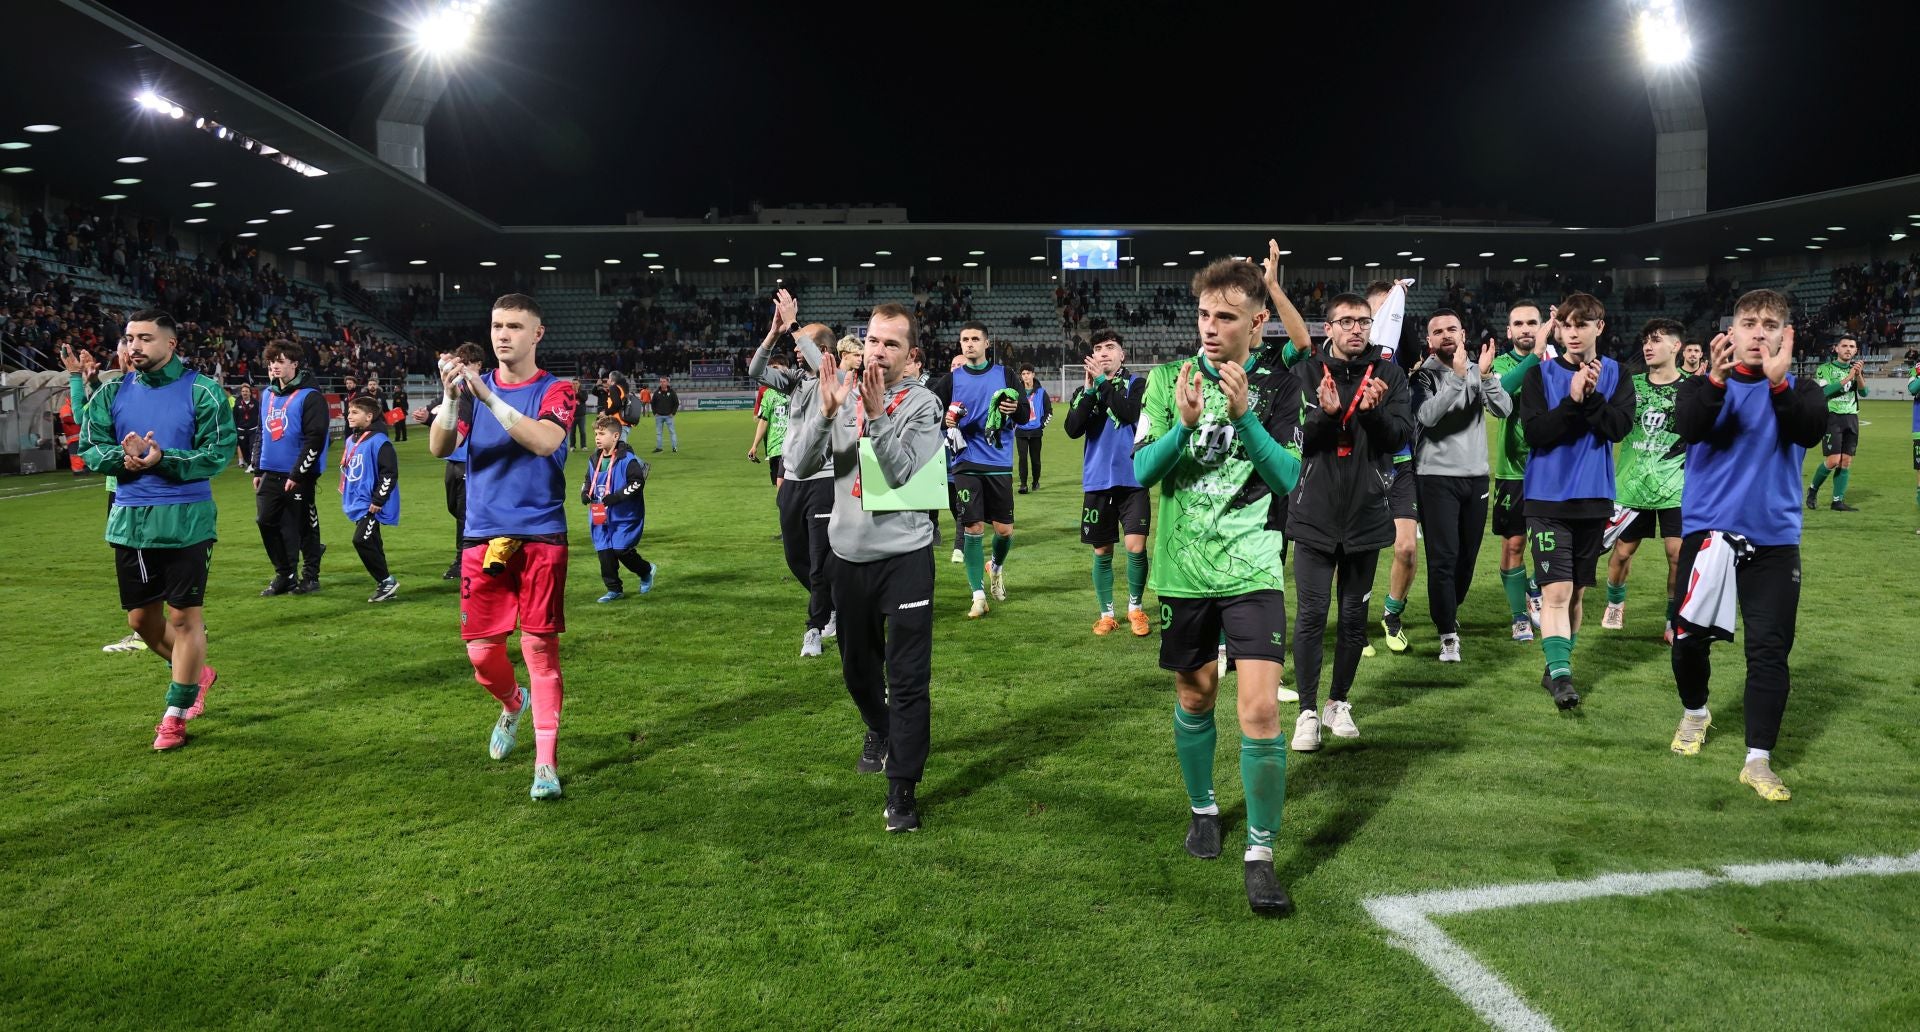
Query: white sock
(1210, 808)
(1758, 754)
(1259, 853)
(1701, 712)
(1133, 605)
(176, 711)
(978, 595)
(1106, 610)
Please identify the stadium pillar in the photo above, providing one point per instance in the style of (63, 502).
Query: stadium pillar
(989, 279)
(834, 275)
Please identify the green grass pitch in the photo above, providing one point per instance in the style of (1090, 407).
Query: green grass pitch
(333, 848)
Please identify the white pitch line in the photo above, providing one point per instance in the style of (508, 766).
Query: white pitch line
(55, 490)
(1408, 919)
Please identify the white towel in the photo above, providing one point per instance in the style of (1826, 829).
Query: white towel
(1386, 321)
(1711, 593)
(1617, 524)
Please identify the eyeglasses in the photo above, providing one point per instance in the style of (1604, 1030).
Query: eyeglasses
(1349, 322)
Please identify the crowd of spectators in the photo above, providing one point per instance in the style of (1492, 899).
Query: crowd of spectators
(228, 304)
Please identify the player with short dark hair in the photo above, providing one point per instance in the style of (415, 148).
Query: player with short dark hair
(1113, 507)
(370, 491)
(1844, 382)
(164, 432)
(1029, 435)
(1652, 470)
(514, 567)
(293, 444)
(1572, 410)
(983, 401)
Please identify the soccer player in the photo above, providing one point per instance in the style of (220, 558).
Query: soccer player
(983, 401)
(1113, 507)
(1747, 425)
(770, 425)
(805, 503)
(666, 405)
(293, 449)
(1651, 471)
(614, 493)
(163, 432)
(1525, 332)
(514, 567)
(1572, 410)
(1913, 389)
(1208, 438)
(1354, 402)
(370, 492)
(1451, 455)
(1693, 360)
(883, 568)
(83, 381)
(1844, 385)
(1031, 434)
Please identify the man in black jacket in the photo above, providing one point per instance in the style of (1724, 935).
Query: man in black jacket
(1356, 412)
(665, 405)
(289, 454)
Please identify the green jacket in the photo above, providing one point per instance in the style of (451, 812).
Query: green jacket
(161, 526)
(1842, 398)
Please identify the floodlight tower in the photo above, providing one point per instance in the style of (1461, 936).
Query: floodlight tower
(440, 35)
(1679, 117)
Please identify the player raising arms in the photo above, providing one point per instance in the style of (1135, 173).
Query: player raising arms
(1210, 436)
(513, 569)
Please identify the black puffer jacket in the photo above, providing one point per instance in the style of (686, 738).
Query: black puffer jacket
(1341, 501)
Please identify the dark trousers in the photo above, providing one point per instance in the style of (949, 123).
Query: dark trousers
(886, 651)
(456, 481)
(611, 561)
(289, 526)
(1769, 589)
(1453, 519)
(1028, 448)
(366, 541)
(400, 427)
(249, 443)
(804, 507)
(1314, 570)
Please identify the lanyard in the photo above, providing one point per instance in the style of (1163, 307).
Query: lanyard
(285, 400)
(860, 410)
(598, 487)
(346, 457)
(1358, 392)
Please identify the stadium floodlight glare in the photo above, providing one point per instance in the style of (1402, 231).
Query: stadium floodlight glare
(1731, 257)
(355, 250)
(203, 184)
(1653, 258)
(933, 258)
(361, 240)
(721, 261)
(125, 182)
(789, 254)
(1373, 265)
(1896, 237)
(1813, 247)
(649, 254)
(1818, 240)
(816, 258)
(249, 233)
(41, 127)
(1566, 254)
(1764, 240)
(551, 257)
(310, 239)
(1402, 254)
(418, 261)
(976, 254)
(484, 265)
(656, 268)
(194, 222)
(1662, 34)
(549, 268)
(970, 265)
(341, 261)
(1453, 265)
(131, 159)
(1518, 261)
(884, 254)
(297, 247)
(1836, 229)
(609, 261)
(448, 29)
(256, 222)
(15, 145)
(866, 265)
(1336, 258)
(14, 170)
(1744, 250)
(1038, 258)
(776, 265)
(1195, 254)
(288, 211)
(203, 204)
(1416, 259)
(1486, 254)
(113, 197)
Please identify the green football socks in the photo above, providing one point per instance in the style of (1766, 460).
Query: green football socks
(1514, 583)
(1559, 656)
(1263, 776)
(1136, 578)
(974, 549)
(1103, 581)
(1193, 741)
(1002, 544)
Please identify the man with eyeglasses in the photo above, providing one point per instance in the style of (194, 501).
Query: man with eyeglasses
(1452, 453)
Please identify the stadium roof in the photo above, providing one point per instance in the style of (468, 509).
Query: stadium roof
(80, 66)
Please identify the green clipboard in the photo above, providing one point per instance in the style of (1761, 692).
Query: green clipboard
(926, 489)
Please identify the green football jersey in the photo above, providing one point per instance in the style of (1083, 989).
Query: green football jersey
(1221, 527)
(1847, 402)
(1509, 440)
(773, 409)
(1652, 466)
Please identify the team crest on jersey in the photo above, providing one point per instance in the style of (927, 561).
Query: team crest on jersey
(1212, 441)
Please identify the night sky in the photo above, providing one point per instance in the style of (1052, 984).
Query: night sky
(577, 111)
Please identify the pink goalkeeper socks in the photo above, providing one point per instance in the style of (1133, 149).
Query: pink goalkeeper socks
(494, 671)
(542, 653)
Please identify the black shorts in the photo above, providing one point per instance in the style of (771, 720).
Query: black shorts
(176, 576)
(1916, 452)
(983, 497)
(1403, 495)
(1664, 522)
(775, 469)
(1256, 626)
(1843, 434)
(1106, 515)
(1566, 549)
(1509, 508)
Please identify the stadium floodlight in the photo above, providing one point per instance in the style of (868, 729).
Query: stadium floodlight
(1661, 31)
(447, 29)
(1896, 237)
